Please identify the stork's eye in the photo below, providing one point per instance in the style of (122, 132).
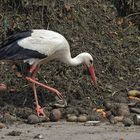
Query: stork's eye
(90, 61)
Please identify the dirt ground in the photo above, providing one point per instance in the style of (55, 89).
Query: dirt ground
(70, 131)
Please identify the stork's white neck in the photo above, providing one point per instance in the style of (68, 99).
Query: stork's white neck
(79, 59)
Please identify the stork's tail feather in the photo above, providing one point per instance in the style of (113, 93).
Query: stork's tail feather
(7, 50)
(9, 47)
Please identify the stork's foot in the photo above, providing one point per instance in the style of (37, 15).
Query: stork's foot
(40, 111)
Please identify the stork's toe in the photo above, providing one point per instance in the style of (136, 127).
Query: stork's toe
(40, 111)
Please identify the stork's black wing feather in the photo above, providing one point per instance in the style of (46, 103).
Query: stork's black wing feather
(10, 49)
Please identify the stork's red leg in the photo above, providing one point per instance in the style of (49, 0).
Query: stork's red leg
(32, 72)
(47, 87)
(31, 78)
(39, 110)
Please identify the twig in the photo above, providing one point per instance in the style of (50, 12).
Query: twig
(133, 50)
(42, 14)
(48, 26)
(43, 78)
(132, 14)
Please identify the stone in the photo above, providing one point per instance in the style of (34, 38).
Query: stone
(71, 118)
(55, 115)
(127, 122)
(2, 125)
(123, 110)
(82, 118)
(32, 119)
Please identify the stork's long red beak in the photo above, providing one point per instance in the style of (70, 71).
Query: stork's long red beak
(92, 73)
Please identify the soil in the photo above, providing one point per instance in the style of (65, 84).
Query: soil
(91, 26)
(75, 131)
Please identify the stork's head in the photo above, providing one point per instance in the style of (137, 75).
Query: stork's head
(88, 60)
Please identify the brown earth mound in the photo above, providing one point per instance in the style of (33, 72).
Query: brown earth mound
(89, 26)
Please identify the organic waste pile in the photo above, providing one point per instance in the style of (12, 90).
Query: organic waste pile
(94, 26)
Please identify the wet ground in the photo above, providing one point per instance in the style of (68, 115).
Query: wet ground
(70, 131)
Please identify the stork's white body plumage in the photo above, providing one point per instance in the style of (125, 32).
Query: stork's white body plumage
(46, 42)
(41, 46)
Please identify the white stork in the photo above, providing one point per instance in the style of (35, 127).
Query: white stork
(41, 46)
